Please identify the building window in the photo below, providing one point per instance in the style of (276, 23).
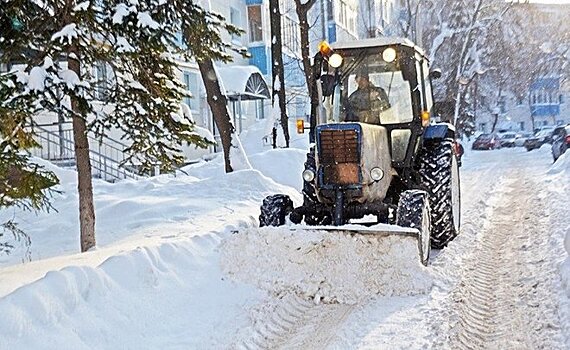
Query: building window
(191, 82)
(521, 125)
(255, 23)
(345, 15)
(330, 10)
(290, 34)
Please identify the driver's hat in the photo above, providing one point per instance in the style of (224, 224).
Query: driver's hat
(362, 72)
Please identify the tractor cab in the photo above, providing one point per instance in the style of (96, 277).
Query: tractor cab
(380, 81)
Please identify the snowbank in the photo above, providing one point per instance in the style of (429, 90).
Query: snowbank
(328, 266)
(559, 180)
(170, 296)
(283, 165)
(562, 164)
(65, 176)
(131, 208)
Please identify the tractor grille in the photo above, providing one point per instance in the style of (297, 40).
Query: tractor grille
(339, 156)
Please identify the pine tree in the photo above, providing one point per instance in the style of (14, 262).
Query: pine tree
(57, 44)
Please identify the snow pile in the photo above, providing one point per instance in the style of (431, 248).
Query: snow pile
(206, 198)
(559, 180)
(283, 165)
(329, 266)
(560, 173)
(170, 296)
(561, 165)
(66, 177)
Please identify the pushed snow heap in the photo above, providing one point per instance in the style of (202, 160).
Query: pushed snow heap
(332, 267)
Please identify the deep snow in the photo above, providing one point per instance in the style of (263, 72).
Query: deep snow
(157, 277)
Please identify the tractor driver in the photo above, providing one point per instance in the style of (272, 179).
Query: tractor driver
(366, 102)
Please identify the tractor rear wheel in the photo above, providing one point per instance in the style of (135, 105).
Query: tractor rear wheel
(439, 172)
(414, 211)
(275, 209)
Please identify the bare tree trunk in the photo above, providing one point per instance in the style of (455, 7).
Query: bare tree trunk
(83, 163)
(218, 105)
(302, 10)
(277, 66)
(463, 56)
(496, 113)
(457, 105)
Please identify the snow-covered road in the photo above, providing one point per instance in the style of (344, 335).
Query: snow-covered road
(496, 286)
(157, 279)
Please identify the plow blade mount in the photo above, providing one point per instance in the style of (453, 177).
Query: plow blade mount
(328, 263)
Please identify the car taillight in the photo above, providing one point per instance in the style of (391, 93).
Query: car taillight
(568, 139)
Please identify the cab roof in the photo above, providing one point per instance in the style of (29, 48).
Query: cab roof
(377, 42)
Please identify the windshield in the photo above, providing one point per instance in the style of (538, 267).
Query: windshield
(371, 91)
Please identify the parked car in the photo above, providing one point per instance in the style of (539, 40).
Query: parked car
(539, 139)
(486, 141)
(507, 139)
(521, 138)
(560, 141)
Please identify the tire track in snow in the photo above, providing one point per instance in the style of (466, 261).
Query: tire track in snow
(295, 323)
(497, 309)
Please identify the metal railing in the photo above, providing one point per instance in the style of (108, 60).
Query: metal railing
(107, 155)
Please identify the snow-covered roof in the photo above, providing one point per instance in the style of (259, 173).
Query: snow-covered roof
(376, 42)
(245, 82)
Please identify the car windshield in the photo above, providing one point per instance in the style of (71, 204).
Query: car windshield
(371, 91)
(508, 136)
(484, 137)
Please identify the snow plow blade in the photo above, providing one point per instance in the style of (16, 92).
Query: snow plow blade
(381, 230)
(328, 263)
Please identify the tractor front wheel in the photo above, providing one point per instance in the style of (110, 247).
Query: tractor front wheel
(275, 209)
(439, 171)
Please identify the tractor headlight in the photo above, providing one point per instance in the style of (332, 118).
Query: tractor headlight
(335, 60)
(389, 55)
(308, 175)
(376, 174)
